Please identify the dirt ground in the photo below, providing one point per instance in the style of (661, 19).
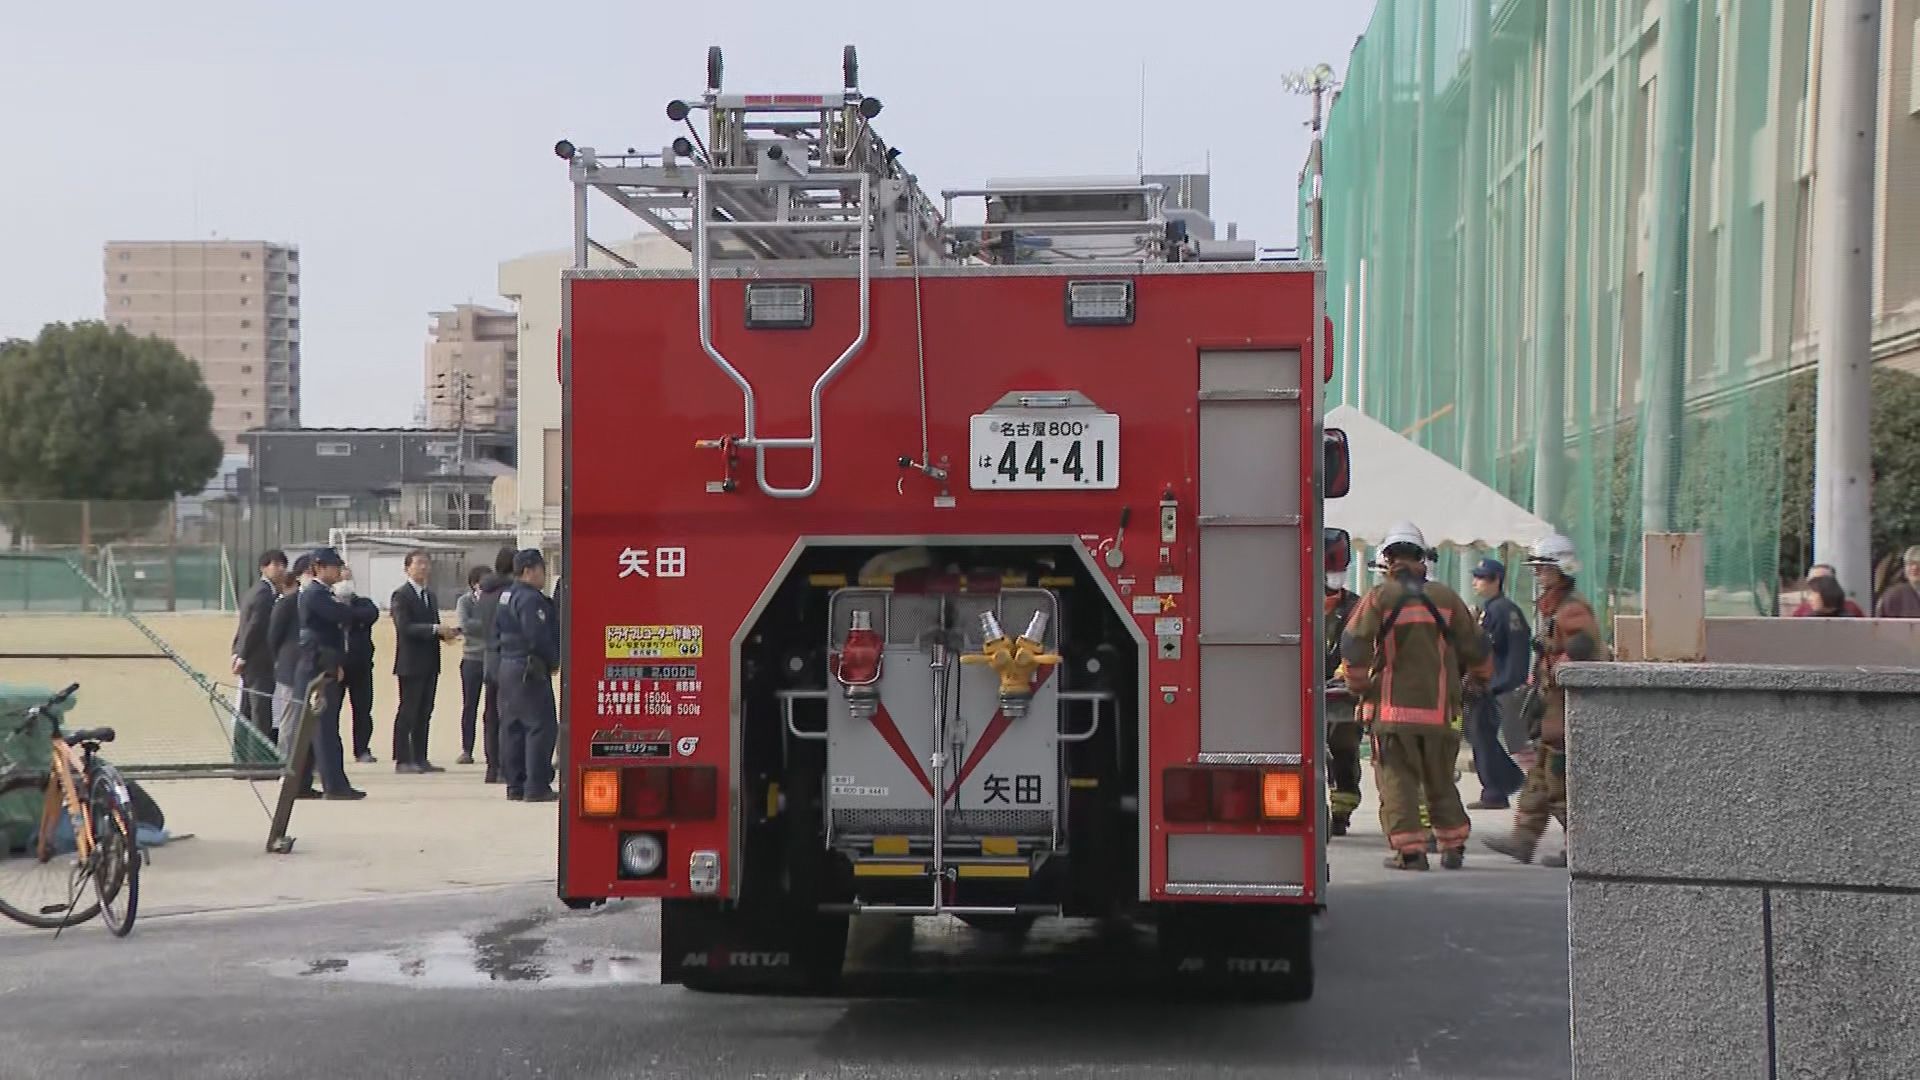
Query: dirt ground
(160, 715)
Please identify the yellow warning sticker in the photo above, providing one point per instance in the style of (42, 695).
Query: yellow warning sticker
(655, 642)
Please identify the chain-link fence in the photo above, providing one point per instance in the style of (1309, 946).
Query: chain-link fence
(1582, 285)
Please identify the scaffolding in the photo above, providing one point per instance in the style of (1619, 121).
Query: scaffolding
(1589, 286)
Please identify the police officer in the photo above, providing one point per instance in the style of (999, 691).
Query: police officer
(323, 651)
(527, 627)
(1406, 648)
(1343, 726)
(1566, 630)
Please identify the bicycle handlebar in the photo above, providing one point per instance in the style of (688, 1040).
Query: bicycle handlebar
(38, 711)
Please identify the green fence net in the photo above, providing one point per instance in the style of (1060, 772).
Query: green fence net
(1500, 207)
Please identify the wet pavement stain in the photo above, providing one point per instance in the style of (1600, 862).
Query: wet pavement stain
(514, 953)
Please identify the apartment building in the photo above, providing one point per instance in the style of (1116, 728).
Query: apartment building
(532, 282)
(473, 352)
(231, 306)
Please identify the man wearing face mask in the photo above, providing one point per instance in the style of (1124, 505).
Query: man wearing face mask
(362, 613)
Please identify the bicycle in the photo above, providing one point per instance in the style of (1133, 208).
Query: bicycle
(43, 885)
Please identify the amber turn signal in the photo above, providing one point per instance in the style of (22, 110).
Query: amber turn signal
(599, 792)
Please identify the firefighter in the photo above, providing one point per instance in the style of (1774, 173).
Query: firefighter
(528, 626)
(1405, 649)
(1343, 725)
(1566, 629)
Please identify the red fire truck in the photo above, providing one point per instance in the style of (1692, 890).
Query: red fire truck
(918, 568)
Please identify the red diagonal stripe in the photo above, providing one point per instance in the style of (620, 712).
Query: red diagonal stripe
(995, 728)
(883, 723)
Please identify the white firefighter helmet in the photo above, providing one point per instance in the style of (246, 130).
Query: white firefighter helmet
(1403, 532)
(1556, 551)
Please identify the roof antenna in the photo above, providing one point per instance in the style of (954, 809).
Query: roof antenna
(1140, 155)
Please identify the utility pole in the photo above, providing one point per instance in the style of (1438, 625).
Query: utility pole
(1843, 291)
(1315, 83)
(455, 382)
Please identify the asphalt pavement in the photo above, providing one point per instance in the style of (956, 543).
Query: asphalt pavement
(1420, 975)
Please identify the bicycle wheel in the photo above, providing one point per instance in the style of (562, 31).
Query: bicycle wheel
(116, 852)
(45, 889)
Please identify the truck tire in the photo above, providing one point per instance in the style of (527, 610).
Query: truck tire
(1259, 952)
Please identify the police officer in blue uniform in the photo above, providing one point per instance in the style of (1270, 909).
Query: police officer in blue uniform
(323, 622)
(527, 627)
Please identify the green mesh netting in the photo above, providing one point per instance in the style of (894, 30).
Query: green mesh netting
(1439, 230)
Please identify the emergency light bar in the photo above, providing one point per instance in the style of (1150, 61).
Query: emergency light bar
(1100, 303)
(779, 305)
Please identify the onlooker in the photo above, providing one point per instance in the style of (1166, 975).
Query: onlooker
(323, 652)
(416, 662)
(473, 662)
(253, 660)
(1505, 628)
(529, 633)
(1902, 601)
(283, 637)
(362, 614)
(1806, 608)
(485, 610)
(1830, 600)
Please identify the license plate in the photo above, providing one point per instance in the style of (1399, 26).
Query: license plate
(1038, 451)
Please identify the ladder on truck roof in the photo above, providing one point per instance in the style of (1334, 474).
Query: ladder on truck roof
(787, 179)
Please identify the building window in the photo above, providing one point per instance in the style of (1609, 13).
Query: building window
(244, 392)
(126, 301)
(246, 415)
(243, 346)
(248, 255)
(442, 449)
(333, 449)
(246, 369)
(333, 502)
(125, 255)
(123, 279)
(246, 324)
(244, 278)
(246, 301)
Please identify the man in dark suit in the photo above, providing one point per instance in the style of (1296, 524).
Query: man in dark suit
(323, 652)
(359, 666)
(417, 633)
(253, 661)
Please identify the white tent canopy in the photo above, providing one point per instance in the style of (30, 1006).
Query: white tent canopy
(1395, 480)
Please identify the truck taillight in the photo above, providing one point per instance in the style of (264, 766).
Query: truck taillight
(599, 792)
(655, 792)
(1232, 796)
(696, 793)
(1186, 795)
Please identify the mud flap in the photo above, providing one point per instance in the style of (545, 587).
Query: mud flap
(1245, 951)
(705, 945)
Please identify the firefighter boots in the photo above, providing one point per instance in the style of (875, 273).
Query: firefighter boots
(1407, 860)
(1454, 858)
(1338, 824)
(1518, 845)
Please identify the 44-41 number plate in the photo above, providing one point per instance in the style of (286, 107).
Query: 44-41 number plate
(1043, 451)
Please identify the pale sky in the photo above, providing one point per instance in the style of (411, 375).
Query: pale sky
(406, 146)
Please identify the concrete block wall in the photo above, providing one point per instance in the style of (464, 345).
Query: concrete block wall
(1745, 854)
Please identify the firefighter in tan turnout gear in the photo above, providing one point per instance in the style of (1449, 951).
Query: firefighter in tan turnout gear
(1566, 630)
(1406, 649)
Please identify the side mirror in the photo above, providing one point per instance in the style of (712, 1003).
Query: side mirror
(1337, 465)
(1336, 547)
